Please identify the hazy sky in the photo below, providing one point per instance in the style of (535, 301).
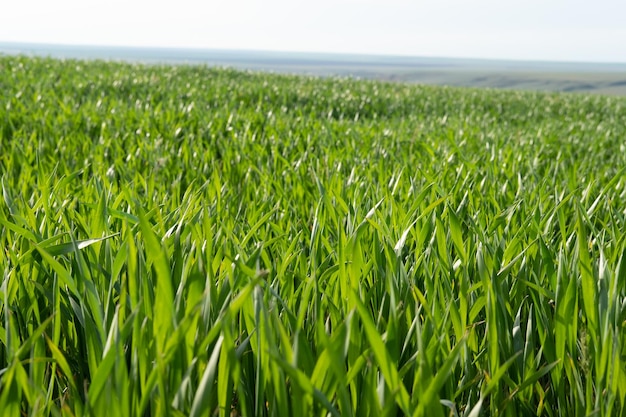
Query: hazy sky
(578, 30)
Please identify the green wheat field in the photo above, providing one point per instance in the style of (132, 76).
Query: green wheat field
(190, 241)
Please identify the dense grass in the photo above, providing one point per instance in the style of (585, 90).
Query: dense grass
(191, 241)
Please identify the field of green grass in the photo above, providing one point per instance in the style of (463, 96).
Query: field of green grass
(180, 240)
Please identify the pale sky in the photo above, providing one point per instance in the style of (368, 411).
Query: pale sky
(561, 30)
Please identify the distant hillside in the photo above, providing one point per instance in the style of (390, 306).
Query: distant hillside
(523, 75)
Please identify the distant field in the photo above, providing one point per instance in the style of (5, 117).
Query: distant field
(572, 82)
(609, 79)
(189, 241)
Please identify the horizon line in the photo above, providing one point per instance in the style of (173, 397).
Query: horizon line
(79, 46)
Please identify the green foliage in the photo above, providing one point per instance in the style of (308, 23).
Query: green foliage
(180, 240)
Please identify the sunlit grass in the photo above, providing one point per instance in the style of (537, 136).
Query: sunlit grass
(188, 241)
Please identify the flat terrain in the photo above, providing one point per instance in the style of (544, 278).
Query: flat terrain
(607, 79)
(191, 241)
